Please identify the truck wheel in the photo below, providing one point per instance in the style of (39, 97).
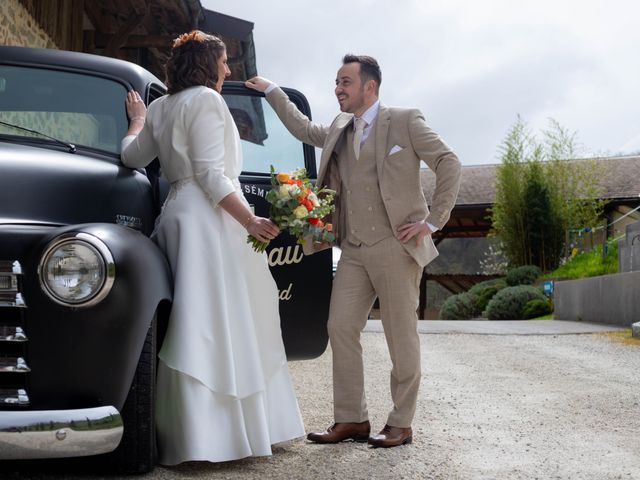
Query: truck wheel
(137, 450)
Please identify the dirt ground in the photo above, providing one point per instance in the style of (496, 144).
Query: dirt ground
(491, 407)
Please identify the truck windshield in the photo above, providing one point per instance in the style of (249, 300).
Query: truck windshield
(75, 108)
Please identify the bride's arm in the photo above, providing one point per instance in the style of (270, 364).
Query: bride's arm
(206, 124)
(138, 147)
(261, 228)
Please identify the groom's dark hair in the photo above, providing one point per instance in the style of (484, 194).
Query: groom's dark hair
(369, 68)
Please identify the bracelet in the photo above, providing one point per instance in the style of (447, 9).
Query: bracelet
(247, 221)
(137, 118)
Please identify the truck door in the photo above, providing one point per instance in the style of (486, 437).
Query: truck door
(304, 282)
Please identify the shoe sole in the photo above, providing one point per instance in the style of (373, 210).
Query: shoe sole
(406, 441)
(344, 440)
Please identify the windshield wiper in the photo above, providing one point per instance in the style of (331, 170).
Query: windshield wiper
(70, 146)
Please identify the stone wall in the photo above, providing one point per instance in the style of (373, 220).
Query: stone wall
(17, 27)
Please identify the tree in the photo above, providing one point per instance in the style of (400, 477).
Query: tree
(541, 194)
(507, 214)
(544, 229)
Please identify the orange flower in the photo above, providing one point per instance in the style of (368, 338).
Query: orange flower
(196, 35)
(328, 227)
(283, 177)
(307, 203)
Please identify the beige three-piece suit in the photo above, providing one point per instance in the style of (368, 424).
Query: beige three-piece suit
(377, 192)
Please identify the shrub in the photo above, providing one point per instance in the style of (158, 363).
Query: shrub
(459, 307)
(525, 275)
(537, 308)
(477, 289)
(484, 291)
(509, 303)
(484, 298)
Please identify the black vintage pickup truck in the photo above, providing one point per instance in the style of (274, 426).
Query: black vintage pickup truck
(84, 292)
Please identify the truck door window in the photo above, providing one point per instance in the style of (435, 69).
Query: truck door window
(265, 140)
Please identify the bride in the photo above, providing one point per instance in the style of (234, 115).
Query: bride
(224, 390)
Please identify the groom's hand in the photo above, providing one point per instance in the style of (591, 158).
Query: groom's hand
(258, 83)
(419, 230)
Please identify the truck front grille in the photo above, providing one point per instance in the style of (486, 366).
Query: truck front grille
(14, 369)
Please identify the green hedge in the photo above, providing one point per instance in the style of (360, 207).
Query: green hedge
(509, 303)
(484, 291)
(537, 308)
(459, 307)
(525, 275)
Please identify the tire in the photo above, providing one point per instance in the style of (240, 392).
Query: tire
(136, 453)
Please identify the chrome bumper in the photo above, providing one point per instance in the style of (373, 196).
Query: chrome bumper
(59, 433)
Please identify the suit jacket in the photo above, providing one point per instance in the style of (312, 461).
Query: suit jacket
(398, 173)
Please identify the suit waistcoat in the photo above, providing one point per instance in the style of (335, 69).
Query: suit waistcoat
(365, 217)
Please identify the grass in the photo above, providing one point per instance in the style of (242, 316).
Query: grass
(624, 336)
(544, 317)
(588, 264)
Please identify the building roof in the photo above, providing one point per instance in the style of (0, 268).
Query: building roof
(620, 180)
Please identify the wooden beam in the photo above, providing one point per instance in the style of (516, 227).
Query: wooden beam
(96, 17)
(121, 36)
(136, 41)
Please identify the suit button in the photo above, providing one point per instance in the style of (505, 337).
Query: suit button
(370, 209)
(348, 192)
(367, 189)
(353, 230)
(350, 212)
(373, 229)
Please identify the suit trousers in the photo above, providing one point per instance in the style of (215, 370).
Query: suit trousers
(387, 271)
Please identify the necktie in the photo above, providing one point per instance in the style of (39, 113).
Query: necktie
(357, 136)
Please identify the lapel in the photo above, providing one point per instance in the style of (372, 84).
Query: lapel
(382, 133)
(335, 132)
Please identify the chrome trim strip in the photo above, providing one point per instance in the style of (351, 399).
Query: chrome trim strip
(12, 334)
(103, 250)
(13, 365)
(12, 299)
(14, 397)
(59, 433)
(7, 266)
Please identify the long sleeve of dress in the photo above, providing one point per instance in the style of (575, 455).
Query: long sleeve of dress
(205, 124)
(139, 150)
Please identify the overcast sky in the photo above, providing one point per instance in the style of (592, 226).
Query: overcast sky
(471, 66)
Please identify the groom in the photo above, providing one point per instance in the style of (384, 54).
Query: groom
(371, 157)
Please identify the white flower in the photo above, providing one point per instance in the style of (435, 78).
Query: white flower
(314, 199)
(294, 191)
(300, 211)
(283, 191)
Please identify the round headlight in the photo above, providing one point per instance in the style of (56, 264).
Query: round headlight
(77, 270)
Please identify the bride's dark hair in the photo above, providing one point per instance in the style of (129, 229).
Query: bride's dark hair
(193, 61)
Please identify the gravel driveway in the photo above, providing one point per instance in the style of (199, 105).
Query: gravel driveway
(491, 407)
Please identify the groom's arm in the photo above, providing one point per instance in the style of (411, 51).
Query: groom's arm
(442, 161)
(296, 122)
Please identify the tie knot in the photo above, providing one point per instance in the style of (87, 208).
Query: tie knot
(360, 123)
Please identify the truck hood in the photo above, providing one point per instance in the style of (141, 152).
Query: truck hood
(47, 186)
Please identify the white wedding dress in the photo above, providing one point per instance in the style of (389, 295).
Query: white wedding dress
(224, 390)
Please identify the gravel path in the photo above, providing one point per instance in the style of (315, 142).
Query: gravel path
(491, 407)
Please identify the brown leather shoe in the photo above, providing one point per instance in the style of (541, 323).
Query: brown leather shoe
(339, 432)
(392, 437)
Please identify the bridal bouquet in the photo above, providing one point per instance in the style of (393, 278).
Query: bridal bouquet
(298, 207)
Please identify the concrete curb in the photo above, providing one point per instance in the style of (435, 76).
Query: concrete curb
(635, 330)
(504, 327)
